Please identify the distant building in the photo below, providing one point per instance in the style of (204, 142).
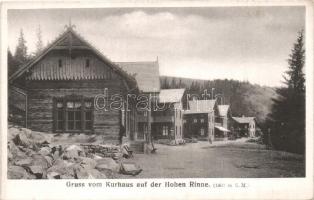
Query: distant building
(244, 126)
(168, 122)
(223, 122)
(199, 119)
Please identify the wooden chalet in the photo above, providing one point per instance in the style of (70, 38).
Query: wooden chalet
(223, 122)
(68, 88)
(168, 122)
(199, 119)
(244, 126)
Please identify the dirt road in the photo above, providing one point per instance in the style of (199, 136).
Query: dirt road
(233, 159)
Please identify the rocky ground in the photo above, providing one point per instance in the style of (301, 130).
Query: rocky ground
(36, 155)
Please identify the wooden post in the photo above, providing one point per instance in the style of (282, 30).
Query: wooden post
(149, 127)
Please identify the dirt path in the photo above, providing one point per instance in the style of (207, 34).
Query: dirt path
(233, 159)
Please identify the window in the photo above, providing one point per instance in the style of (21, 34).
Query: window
(202, 120)
(184, 121)
(164, 130)
(88, 118)
(59, 116)
(73, 115)
(202, 132)
(87, 63)
(60, 63)
(195, 120)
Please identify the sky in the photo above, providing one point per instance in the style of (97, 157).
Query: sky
(242, 43)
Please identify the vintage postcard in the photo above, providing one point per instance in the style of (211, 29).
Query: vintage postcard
(155, 100)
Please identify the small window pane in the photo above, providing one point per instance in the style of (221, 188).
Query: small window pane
(70, 115)
(60, 115)
(78, 125)
(71, 125)
(78, 115)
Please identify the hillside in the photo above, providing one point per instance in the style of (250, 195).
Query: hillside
(245, 98)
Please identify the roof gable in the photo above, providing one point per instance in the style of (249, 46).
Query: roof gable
(201, 106)
(145, 73)
(71, 40)
(223, 110)
(243, 120)
(171, 95)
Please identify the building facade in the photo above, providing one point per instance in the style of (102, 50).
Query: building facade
(244, 126)
(222, 122)
(199, 119)
(168, 115)
(69, 88)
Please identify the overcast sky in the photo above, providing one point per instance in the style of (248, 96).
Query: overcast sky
(243, 43)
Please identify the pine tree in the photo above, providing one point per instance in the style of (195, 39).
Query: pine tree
(39, 43)
(287, 119)
(21, 50)
(173, 83)
(12, 65)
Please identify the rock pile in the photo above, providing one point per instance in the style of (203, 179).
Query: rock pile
(32, 156)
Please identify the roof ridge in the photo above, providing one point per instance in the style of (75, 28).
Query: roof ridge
(114, 66)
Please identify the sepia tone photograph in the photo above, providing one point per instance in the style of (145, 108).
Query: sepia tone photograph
(156, 92)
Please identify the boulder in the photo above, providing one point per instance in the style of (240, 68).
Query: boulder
(63, 167)
(24, 162)
(95, 174)
(96, 157)
(107, 164)
(72, 152)
(39, 160)
(117, 156)
(80, 173)
(21, 140)
(130, 169)
(53, 175)
(44, 151)
(49, 160)
(67, 176)
(38, 171)
(87, 163)
(56, 154)
(17, 172)
(15, 151)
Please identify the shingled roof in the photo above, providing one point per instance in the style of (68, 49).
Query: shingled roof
(171, 95)
(201, 106)
(145, 73)
(62, 42)
(243, 120)
(223, 110)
